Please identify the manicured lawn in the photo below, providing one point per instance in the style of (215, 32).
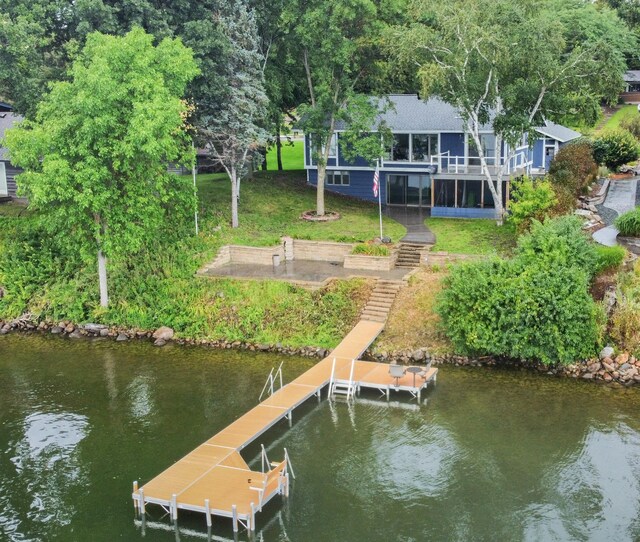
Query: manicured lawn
(625, 112)
(292, 156)
(271, 205)
(472, 236)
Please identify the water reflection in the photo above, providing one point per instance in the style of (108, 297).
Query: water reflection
(47, 465)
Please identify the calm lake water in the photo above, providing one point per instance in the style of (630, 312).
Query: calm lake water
(490, 455)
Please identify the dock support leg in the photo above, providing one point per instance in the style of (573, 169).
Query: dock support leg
(252, 525)
(135, 490)
(286, 484)
(234, 515)
(388, 393)
(290, 418)
(207, 509)
(141, 503)
(174, 507)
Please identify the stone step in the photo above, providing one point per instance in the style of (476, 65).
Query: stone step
(411, 260)
(375, 319)
(406, 265)
(392, 293)
(381, 302)
(380, 308)
(382, 297)
(373, 311)
(393, 290)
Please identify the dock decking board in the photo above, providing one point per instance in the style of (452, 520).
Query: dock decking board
(215, 471)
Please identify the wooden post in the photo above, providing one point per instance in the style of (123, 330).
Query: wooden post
(234, 515)
(207, 509)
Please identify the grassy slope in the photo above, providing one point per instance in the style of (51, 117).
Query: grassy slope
(472, 236)
(292, 156)
(413, 322)
(161, 289)
(625, 112)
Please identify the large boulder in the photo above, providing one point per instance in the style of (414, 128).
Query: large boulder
(165, 333)
(606, 352)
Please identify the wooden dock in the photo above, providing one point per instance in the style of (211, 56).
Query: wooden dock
(215, 480)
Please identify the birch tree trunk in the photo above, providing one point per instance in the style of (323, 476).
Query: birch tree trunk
(234, 198)
(102, 278)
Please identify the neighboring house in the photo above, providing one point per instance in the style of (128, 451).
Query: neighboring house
(8, 172)
(433, 163)
(631, 94)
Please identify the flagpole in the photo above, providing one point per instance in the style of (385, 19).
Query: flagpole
(195, 186)
(379, 197)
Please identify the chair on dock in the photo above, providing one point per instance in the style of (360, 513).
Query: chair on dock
(424, 371)
(396, 371)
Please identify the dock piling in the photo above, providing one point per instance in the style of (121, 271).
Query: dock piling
(141, 503)
(174, 507)
(135, 490)
(207, 509)
(252, 524)
(234, 515)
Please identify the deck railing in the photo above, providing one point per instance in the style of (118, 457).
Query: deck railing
(460, 164)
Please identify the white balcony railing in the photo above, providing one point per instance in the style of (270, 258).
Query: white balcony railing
(471, 165)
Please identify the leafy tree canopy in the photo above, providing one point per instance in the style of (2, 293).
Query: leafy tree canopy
(95, 157)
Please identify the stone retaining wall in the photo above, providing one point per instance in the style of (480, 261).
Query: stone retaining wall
(371, 263)
(321, 251)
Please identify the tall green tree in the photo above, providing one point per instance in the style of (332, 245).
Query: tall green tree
(95, 157)
(233, 128)
(512, 65)
(339, 47)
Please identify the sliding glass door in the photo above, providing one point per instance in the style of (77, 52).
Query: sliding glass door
(413, 190)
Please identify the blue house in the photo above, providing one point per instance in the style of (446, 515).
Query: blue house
(433, 163)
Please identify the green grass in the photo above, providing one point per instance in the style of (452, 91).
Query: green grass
(472, 236)
(292, 156)
(271, 205)
(625, 112)
(158, 286)
(12, 208)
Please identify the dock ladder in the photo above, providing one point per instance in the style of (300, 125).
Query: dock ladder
(272, 379)
(342, 387)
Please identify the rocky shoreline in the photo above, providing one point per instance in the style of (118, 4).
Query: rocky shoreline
(608, 368)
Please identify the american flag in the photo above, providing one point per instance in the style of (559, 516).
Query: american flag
(376, 182)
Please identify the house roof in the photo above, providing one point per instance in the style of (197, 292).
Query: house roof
(558, 132)
(407, 113)
(7, 120)
(632, 76)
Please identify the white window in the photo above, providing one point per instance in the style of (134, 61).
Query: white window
(316, 150)
(3, 180)
(333, 147)
(338, 178)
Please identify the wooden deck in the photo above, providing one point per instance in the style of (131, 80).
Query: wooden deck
(214, 478)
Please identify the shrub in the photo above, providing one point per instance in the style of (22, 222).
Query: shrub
(609, 258)
(531, 200)
(615, 148)
(574, 168)
(628, 224)
(533, 312)
(603, 172)
(632, 125)
(625, 325)
(371, 249)
(558, 241)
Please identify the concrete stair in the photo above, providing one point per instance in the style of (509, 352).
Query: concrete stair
(409, 255)
(382, 298)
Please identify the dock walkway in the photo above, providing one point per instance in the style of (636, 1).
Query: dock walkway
(215, 480)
